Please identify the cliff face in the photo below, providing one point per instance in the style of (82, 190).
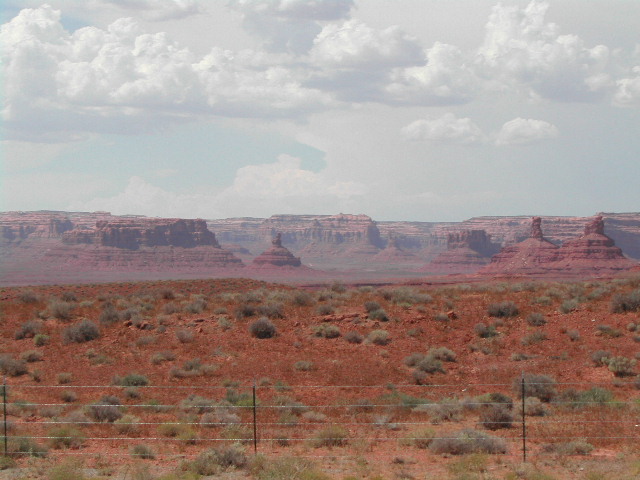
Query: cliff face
(277, 256)
(467, 251)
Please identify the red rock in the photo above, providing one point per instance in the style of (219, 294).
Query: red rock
(467, 251)
(394, 254)
(530, 256)
(277, 256)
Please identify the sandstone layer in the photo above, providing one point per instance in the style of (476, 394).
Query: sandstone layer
(277, 256)
(467, 251)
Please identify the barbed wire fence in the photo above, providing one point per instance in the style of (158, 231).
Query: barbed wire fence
(180, 421)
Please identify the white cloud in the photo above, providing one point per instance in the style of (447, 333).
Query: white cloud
(522, 48)
(446, 129)
(628, 90)
(289, 25)
(524, 131)
(279, 187)
(159, 10)
(60, 86)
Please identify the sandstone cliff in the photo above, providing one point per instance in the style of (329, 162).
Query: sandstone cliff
(467, 251)
(277, 256)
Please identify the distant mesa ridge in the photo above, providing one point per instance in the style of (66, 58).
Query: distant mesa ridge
(467, 251)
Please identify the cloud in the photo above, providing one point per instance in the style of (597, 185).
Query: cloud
(279, 187)
(628, 90)
(521, 48)
(289, 25)
(159, 10)
(446, 129)
(524, 131)
(61, 86)
(446, 79)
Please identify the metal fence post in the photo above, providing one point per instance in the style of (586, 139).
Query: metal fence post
(255, 423)
(524, 423)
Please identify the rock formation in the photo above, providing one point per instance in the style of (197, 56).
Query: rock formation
(277, 256)
(394, 254)
(593, 252)
(467, 251)
(530, 256)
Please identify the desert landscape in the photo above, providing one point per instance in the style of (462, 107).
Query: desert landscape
(457, 364)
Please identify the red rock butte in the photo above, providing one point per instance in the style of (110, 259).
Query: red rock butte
(277, 256)
(467, 251)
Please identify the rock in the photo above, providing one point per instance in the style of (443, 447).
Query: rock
(467, 251)
(530, 256)
(394, 254)
(277, 256)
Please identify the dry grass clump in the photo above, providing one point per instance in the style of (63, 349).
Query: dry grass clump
(468, 441)
(503, 309)
(83, 331)
(263, 328)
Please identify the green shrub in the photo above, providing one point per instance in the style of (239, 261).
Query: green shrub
(539, 386)
(503, 309)
(271, 310)
(468, 441)
(533, 338)
(303, 365)
(419, 438)
(28, 297)
(131, 380)
(29, 329)
(629, 302)
(107, 409)
(25, 446)
(127, 425)
(263, 328)
(569, 306)
(160, 357)
(430, 364)
(371, 306)
(495, 417)
(484, 331)
(379, 315)
(64, 378)
(40, 340)
(326, 330)
(621, 366)
(353, 337)
(197, 306)
(68, 396)
(142, 451)
(325, 309)
(379, 337)
(413, 359)
(109, 315)
(536, 320)
(331, 436)
(184, 336)
(599, 357)
(81, 332)
(303, 299)
(65, 437)
(31, 356)
(12, 367)
(442, 353)
(61, 310)
(609, 331)
(575, 447)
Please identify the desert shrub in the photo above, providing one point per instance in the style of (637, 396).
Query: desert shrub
(184, 336)
(536, 320)
(447, 410)
(131, 380)
(569, 306)
(61, 310)
(629, 302)
(441, 317)
(575, 447)
(109, 314)
(213, 461)
(196, 306)
(353, 337)
(337, 287)
(533, 338)
(495, 417)
(621, 366)
(142, 451)
(609, 331)
(83, 331)
(599, 357)
(405, 295)
(379, 315)
(371, 306)
(166, 294)
(291, 468)
(68, 396)
(325, 309)
(25, 447)
(484, 331)
(246, 310)
(573, 334)
(63, 378)
(170, 308)
(31, 356)
(413, 359)
(442, 353)
(519, 357)
(127, 425)
(271, 310)
(503, 309)
(107, 410)
(331, 436)
(378, 337)
(430, 364)
(28, 297)
(303, 299)
(12, 367)
(65, 437)
(69, 297)
(419, 438)
(468, 441)
(262, 328)
(40, 340)
(198, 404)
(539, 386)
(326, 330)
(303, 365)
(160, 357)
(29, 329)
(533, 407)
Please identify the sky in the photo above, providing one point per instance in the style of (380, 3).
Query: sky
(419, 110)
